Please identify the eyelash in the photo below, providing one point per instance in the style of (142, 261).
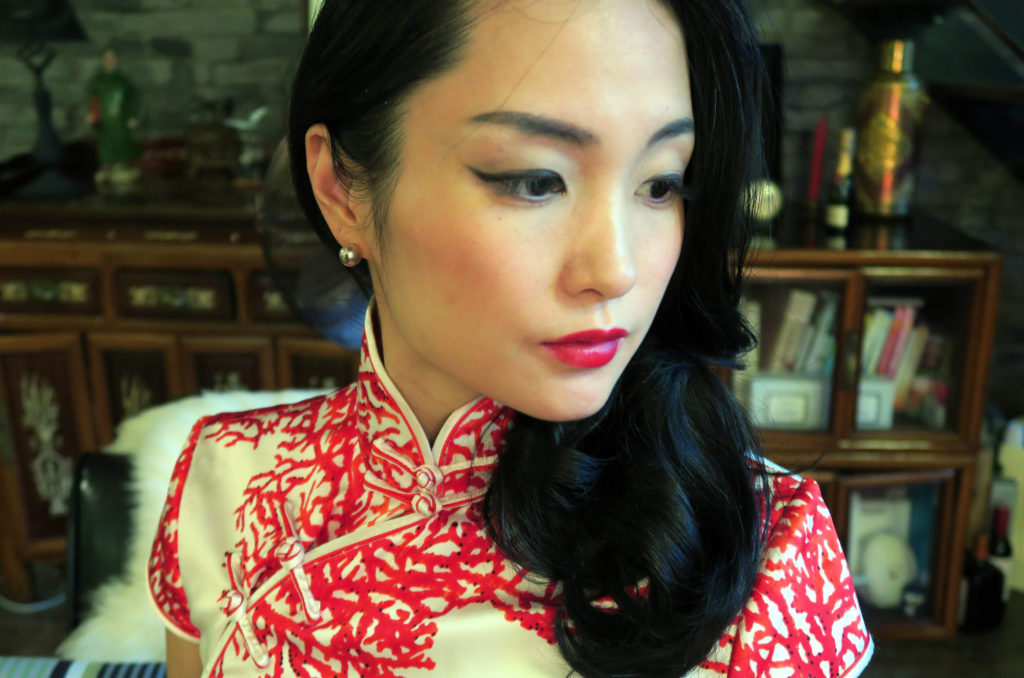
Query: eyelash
(675, 186)
(512, 184)
(518, 185)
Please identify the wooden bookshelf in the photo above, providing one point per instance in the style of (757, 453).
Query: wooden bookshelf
(918, 465)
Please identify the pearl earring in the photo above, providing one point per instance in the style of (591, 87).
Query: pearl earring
(349, 256)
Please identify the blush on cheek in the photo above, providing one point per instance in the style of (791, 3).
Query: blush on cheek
(465, 278)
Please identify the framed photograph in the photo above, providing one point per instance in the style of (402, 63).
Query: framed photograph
(789, 401)
(875, 403)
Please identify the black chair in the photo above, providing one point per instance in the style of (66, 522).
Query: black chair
(99, 525)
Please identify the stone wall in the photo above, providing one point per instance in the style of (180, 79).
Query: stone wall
(180, 54)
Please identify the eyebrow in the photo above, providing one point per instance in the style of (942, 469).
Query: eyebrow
(537, 125)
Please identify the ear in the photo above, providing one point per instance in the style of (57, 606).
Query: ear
(346, 214)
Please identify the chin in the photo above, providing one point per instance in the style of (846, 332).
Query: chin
(570, 408)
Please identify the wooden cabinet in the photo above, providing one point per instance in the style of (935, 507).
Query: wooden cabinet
(108, 307)
(871, 371)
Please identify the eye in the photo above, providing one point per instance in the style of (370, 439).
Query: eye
(664, 189)
(532, 186)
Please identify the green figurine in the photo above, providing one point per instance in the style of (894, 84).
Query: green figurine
(113, 113)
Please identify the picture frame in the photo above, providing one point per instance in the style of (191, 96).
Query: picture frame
(789, 401)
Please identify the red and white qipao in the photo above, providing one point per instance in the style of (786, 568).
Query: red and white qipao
(328, 538)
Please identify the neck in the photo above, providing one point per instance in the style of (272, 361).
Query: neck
(431, 394)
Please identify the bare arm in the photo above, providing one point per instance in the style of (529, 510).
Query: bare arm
(182, 658)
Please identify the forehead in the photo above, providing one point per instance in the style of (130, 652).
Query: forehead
(594, 63)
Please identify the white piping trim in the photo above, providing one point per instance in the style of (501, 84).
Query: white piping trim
(862, 661)
(171, 624)
(415, 427)
(365, 534)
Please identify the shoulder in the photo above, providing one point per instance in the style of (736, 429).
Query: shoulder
(231, 462)
(294, 416)
(802, 616)
(230, 435)
(235, 458)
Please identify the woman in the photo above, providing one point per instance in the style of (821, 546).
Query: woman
(536, 471)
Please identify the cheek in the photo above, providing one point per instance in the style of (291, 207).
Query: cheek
(661, 254)
(448, 254)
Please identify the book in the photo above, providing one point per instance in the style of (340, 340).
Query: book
(930, 386)
(896, 341)
(877, 323)
(887, 325)
(804, 345)
(898, 316)
(796, 316)
(751, 310)
(828, 363)
(902, 340)
(908, 365)
(823, 335)
(934, 361)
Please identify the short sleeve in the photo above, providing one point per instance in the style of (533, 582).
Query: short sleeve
(803, 618)
(164, 573)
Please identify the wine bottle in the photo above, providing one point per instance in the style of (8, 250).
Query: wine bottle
(837, 203)
(983, 608)
(1000, 553)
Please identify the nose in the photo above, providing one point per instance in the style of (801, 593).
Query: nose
(601, 261)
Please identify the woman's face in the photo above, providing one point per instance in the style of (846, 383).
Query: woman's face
(537, 198)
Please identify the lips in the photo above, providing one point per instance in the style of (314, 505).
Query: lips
(591, 348)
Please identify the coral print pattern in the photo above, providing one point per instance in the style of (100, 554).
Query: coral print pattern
(327, 538)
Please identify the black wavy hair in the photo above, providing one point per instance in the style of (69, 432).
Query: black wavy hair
(657, 502)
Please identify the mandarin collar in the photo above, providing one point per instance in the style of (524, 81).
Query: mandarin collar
(393, 456)
(386, 423)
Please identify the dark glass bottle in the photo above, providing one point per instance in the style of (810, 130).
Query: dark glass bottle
(837, 203)
(1000, 552)
(983, 608)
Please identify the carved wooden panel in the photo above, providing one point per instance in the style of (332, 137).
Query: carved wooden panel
(314, 363)
(227, 364)
(44, 426)
(131, 372)
(199, 295)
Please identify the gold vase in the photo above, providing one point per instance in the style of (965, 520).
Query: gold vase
(891, 106)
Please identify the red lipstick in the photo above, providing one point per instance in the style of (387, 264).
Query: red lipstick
(591, 348)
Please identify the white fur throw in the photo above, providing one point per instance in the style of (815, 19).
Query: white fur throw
(122, 625)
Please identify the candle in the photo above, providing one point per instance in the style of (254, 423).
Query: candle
(817, 159)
